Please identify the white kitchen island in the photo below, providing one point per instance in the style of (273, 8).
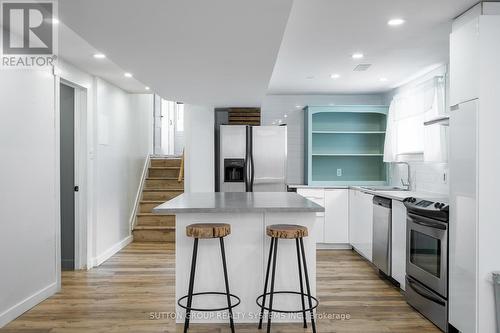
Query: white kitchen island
(247, 250)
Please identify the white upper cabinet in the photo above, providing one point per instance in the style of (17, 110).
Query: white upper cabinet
(464, 62)
(337, 216)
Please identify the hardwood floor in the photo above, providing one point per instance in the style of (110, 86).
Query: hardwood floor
(126, 291)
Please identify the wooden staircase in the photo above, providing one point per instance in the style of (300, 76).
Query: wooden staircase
(165, 180)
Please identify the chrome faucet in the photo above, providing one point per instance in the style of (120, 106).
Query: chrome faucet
(406, 184)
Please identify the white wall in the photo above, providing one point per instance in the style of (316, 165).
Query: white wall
(29, 178)
(275, 107)
(199, 142)
(29, 213)
(124, 140)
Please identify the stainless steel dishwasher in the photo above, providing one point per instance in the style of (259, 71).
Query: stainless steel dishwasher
(382, 230)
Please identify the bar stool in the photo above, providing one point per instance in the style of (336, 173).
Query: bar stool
(208, 231)
(287, 231)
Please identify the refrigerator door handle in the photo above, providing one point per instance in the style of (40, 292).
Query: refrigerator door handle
(252, 167)
(249, 161)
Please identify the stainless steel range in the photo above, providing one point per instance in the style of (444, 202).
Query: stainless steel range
(427, 259)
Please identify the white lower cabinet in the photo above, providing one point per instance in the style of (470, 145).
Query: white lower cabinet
(398, 261)
(348, 219)
(361, 222)
(332, 226)
(354, 219)
(337, 216)
(317, 196)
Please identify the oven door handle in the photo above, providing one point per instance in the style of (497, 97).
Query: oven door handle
(415, 219)
(424, 294)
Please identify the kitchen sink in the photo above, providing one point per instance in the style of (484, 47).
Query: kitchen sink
(384, 188)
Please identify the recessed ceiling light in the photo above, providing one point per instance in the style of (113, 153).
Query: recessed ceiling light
(298, 106)
(395, 22)
(147, 88)
(127, 74)
(286, 116)
(358, 55)
(335, 76)
(384, 79)
(99, 56)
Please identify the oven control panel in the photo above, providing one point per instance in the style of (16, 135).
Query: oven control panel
(432, 209)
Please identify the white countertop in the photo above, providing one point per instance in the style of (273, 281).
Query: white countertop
(394, 195)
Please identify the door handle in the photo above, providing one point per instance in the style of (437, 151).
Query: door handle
(424, 294)
(429, 224)
(77, 188)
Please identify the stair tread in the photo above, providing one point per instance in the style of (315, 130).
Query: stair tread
(159, 158)
(166, 168)
(152, 201)
(173, 189)
(163, 178)
(153, 227)
(153, 214)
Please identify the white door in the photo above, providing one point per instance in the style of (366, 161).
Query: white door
(337, 216)
(157, 135)
(167, 127)
(463, 219)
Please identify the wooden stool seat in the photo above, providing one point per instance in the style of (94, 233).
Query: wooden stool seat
(208, 230)
(286, 231)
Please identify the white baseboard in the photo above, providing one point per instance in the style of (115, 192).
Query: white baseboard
(112, 251)
(23, 306)
(336, 246)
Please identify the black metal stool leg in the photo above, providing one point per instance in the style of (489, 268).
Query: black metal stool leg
(301, 284)
(191, 285)
(223, 253)
(265, 283)
(270, 314)
(307, 284)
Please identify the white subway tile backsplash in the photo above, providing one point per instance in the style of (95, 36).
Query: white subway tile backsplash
(426, 177)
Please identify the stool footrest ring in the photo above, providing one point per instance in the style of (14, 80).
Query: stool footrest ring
(315, 302)
(209, 310)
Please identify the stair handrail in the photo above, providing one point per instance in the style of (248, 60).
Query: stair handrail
(181, 170)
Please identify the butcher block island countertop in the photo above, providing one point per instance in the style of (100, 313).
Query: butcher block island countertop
(247, 248)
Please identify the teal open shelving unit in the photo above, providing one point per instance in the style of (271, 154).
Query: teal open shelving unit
(344, 145)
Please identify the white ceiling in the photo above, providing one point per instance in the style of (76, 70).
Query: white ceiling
(217, 52)
(78, 52)
(321, 35)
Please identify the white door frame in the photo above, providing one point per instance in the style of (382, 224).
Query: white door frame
(81, 179)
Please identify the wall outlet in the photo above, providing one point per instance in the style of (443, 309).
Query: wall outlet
(339, 172)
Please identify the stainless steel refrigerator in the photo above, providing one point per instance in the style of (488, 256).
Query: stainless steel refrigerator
(252, 158)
